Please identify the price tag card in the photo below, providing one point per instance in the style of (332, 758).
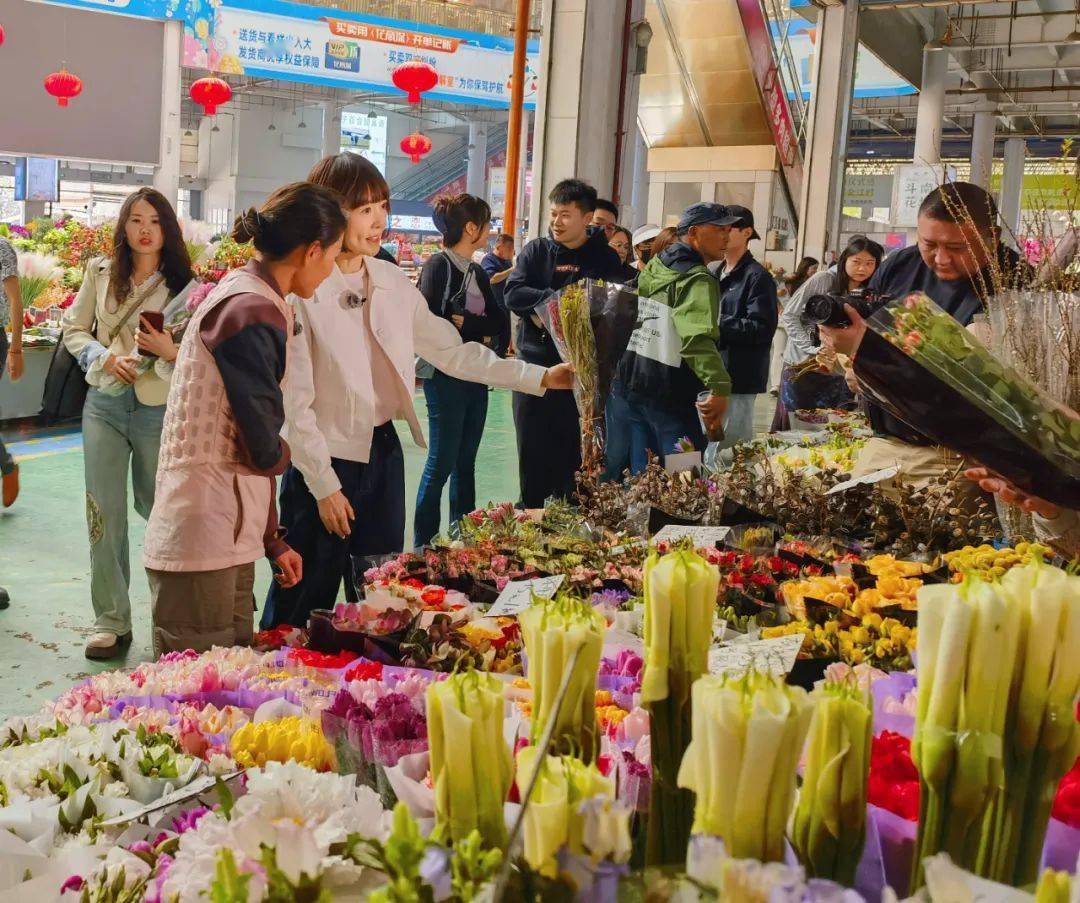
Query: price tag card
(703, 536)
(876, 477)
(189, 791)
(776, 656)
(517, 594)
(680, 461)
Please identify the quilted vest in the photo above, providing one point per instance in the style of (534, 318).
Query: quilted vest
(210, 510)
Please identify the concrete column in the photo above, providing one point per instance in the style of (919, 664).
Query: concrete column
(331, 129)
(33, 210)
(1012, 186)
(637, 212)
(826, 141)
(167, 172)
(982, 147)
(931, 112)
(578, 98)
(477, 173)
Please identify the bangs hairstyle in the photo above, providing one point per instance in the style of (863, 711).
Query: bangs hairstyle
(857, 245)
(357, 180)
(574, 191)
(175, 265)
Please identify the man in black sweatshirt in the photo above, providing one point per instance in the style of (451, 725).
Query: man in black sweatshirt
(548, 432)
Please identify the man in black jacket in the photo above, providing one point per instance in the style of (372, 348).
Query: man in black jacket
(748, 316)
(548, 433)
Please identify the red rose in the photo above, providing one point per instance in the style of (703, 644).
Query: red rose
(761, 579)
(433, 595)
(1067, 802)
(736, 579)
(747, 564)
(413, 583)
(365, 670)
(776, 564)
(813, 570)
(894, 780)
(727, 560)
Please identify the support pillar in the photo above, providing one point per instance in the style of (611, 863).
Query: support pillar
(578, 104)
(931, 112)
(33, 210)
(331, 129)
(826, 142)
(476, 179)
(639, 189)
(982, 147)
(167, 172)
(1012, 186)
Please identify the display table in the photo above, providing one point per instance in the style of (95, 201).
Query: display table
(23, 399)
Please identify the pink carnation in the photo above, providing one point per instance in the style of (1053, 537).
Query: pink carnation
(198, 295)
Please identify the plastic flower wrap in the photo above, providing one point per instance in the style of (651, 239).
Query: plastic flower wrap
(829, 825)
(557, 816)
(470, 762)
(287, 739)
(995, 725)
(748, 732)
(554, 631)
(959, 395)
(680, 602)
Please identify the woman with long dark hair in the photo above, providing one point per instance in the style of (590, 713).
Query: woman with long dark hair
(105, 329)
(807, 267)
(222, 447)
(804, 384)
(352, 372)
(457, 290)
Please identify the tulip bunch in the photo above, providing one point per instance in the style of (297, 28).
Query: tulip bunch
(286, 739)
(470, 761)
(557, 817)
(995, 727)
(748, 733)
(680, 602)
(554, 630)
(830, 819)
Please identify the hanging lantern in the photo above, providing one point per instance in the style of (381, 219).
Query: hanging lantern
(1, 35)
(416, 145)
(415, 78)
(63, 86)
(210, 93)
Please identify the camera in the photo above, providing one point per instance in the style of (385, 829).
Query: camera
(828, 309)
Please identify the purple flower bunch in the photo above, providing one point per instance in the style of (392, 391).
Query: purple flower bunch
(610, 598)
(398, 729)
(626, 664)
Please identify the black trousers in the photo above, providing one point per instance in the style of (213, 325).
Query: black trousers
(549, 445)
(376, 491)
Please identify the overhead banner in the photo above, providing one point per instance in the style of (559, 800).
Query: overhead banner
(326, 46)
(319, 45)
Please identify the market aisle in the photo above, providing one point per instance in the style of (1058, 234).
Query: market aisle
(45, 562)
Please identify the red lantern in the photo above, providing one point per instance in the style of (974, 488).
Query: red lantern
(416, 145)
(63, 85)
(1, 35)
(210, 93)
(415, 78)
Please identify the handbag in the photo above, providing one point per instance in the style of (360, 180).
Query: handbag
(65, 383)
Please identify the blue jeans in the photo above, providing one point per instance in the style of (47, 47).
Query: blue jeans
(457, 411)
(643, 427)
(116, 429)
(7, 463)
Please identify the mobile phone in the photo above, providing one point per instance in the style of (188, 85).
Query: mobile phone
(154, 318)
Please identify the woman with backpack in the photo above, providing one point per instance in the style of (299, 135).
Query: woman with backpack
(457, 290)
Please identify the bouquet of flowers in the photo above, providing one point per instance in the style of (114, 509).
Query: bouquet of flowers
(959, 395)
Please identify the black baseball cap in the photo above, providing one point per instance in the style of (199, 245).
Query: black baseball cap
(705, 214)
(744, 219)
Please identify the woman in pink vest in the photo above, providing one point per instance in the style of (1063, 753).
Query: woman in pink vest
(221, 448)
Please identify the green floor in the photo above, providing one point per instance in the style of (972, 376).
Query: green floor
(44, 559)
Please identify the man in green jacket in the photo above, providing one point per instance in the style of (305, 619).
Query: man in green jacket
(673, 356)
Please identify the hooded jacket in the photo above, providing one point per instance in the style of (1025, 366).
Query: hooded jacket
(673, 355)
(543, 267)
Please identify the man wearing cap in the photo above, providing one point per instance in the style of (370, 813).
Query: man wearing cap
(672, 356)
(748, 317)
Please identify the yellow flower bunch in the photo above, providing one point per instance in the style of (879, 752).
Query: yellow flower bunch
(882, 642)
(890, 590)
(888, 566)
(991, 564)
(837, 591)
(296, 739)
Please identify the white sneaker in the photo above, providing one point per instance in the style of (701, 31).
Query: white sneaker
(105, 644)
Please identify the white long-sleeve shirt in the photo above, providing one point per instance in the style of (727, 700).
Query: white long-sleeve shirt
(353, 366)
(801, 340)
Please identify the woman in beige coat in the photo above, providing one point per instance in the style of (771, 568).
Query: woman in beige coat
(104, 330)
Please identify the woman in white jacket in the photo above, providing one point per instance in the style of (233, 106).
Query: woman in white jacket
(351, 373)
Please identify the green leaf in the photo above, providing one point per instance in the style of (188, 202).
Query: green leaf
(225, 798)
(230, 886)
